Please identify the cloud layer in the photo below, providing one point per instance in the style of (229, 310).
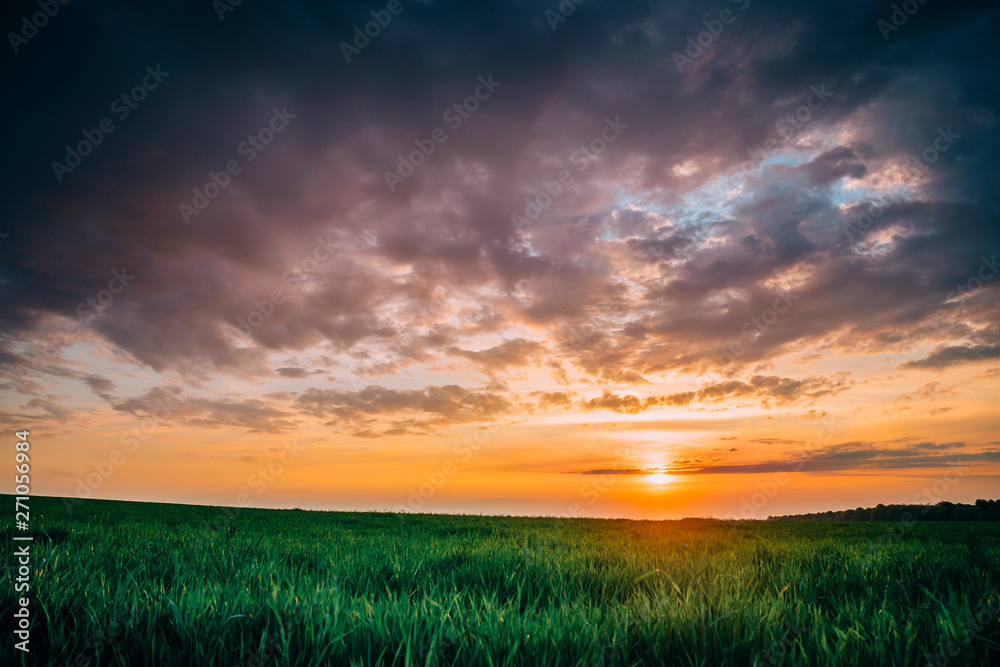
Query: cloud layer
(804, 186)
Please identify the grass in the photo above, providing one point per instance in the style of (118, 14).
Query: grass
(142, 584)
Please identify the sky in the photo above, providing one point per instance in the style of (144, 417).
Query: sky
(634, 259)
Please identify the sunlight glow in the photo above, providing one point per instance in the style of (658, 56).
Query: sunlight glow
(659, 478)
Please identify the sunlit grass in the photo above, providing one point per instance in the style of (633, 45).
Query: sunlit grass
(302, 588)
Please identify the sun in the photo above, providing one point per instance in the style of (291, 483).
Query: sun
(659, 478)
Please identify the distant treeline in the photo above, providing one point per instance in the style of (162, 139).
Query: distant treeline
(983, 510)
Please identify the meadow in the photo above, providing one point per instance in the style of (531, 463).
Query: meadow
(123, 583)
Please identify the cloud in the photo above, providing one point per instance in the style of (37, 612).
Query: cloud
(951, 355)
(431, 407)
(402, 261)
(169, 404)
(622, 404)
(547, 399)
(844, 458)
(833, 165)
(101, 386)
(767, 389)
(292, 372)
(930, 391)
(518, 352)
(52, 407)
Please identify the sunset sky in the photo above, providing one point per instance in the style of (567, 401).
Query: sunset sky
(650, 260)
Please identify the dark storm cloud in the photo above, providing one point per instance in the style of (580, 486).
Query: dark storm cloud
(670, 287)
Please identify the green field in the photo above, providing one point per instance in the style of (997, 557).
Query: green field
(134, 584)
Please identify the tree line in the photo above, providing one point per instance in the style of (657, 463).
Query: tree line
(982, 510)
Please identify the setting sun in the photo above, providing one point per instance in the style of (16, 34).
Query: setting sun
(659, 478)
